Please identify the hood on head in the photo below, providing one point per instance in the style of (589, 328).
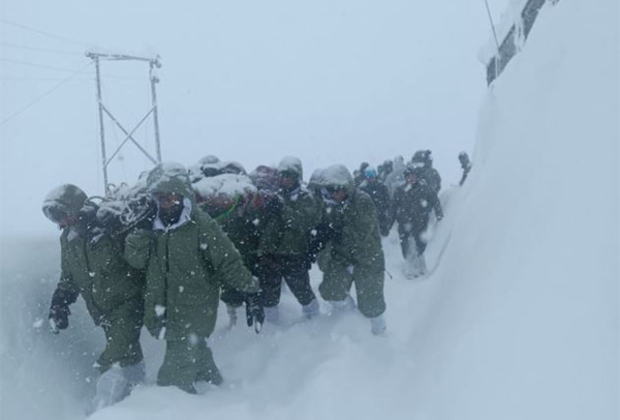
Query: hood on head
(170, 177)
(233, 168)
(67, 199)
(316, 180)
(265, 178)
(337, 176)
(291, 164)
(209, 159)
(209, 165)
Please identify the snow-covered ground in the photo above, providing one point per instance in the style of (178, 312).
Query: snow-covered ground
(520, 320)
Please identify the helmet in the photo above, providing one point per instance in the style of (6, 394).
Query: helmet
(422, 157)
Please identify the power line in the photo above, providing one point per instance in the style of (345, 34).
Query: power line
(40, 98)
(30, 48)
(38, 31)
(44, 66)
(41, 79)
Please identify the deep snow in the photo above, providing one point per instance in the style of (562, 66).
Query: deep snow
(519, 321)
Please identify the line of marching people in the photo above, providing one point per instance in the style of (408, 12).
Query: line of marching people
(163, 252)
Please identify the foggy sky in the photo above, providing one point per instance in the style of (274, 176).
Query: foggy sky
(330, 82)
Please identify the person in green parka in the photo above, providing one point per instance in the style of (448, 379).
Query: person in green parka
(92, 266)
(243, 212)
(356, 255)
(188, 258)
(285, 247)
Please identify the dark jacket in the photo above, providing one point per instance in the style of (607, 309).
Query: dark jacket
(379, 194)
(413, 204)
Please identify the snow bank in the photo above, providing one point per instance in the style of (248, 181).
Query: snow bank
(524, 316)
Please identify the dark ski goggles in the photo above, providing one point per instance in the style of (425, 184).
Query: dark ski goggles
(288, 174)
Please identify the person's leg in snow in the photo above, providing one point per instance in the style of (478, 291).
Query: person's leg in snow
(122, 332)
(337, 281)
(336, 284)
(369, 291)
(404, 237)
(295, 273)
(370, 297)
(415, 264)
(187, 362)
(121, 363)
(420, 247)
(115, 384)
(270, 277)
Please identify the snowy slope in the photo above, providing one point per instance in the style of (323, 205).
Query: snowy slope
(524, 317)
(519, 321)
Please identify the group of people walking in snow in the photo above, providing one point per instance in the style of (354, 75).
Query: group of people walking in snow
(162, 253)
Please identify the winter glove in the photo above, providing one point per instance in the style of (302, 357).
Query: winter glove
(137, 248)
(254, 311)
(59, 312)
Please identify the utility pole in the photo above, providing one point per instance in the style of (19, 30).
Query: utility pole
(154, 63)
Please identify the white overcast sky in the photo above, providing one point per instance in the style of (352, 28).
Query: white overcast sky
(251, 81)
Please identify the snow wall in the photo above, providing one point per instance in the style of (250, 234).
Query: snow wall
(520, 321)
(523, 322)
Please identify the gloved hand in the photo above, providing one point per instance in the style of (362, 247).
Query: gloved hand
(137, 248)
(309, 259)
(254, 311)
(59, 312)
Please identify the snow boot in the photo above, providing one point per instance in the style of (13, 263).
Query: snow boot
(377, 325)
(310, 310)
(421, 265)
(202, 387)
(415, 266)
(272, 315)
(116, 383)
(232, 316)
(340, 307)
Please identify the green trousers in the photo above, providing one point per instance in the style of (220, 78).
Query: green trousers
(122, 332)
(337, 282)
(186, 362)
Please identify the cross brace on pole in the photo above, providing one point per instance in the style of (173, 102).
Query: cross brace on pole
(154, 63)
